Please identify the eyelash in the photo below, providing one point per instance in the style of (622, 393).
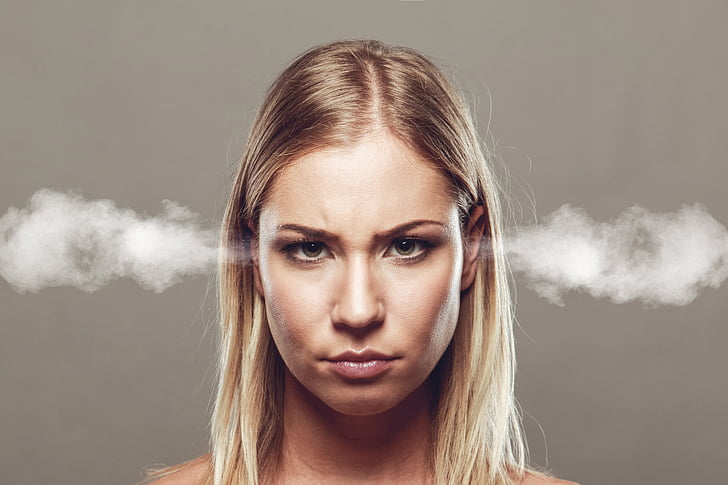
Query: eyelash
(289, 250)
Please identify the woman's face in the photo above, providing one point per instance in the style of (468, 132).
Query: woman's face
(360, 262)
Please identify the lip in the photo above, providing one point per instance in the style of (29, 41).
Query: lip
(360, 356)
(365, 364)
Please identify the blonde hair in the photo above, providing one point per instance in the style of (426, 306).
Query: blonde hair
(334, 95)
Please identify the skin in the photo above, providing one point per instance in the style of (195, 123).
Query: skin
(368, 278)
(351, 258)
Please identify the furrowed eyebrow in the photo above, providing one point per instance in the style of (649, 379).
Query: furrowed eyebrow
(314, 233)
(309, 232)
(408, 226)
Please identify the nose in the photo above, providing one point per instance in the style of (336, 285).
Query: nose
(357, 303)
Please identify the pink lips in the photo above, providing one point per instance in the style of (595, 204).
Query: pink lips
(366, 364)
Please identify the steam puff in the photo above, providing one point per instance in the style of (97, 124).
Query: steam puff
(64, 240)
(653, 258)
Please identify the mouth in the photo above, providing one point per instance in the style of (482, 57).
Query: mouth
(361, 365)
(366, 355)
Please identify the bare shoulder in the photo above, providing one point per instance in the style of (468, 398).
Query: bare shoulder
(190, 473)
(533, 479)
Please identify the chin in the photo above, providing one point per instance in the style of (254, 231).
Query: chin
(361, 407)
(372, 401)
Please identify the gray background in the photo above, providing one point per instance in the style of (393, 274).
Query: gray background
(599, 104)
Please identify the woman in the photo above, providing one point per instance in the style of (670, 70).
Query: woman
(367, 332)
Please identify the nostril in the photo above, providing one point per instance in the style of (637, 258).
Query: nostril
(358, 316)
(358, 309)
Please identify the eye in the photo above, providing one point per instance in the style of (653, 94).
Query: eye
(312, 249)
(306, 251)
(407, 248)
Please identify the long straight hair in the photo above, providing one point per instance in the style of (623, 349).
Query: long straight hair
(334, 95)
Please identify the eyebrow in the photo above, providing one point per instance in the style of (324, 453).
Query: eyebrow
(313, 233)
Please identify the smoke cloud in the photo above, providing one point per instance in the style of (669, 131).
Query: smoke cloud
(62, 239)
(655, 258)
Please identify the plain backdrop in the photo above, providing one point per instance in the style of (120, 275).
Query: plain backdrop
(598, 104)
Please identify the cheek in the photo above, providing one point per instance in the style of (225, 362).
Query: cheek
(294, 306)
(428, 306)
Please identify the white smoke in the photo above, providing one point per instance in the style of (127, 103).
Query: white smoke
(655, 258)
(62, 239)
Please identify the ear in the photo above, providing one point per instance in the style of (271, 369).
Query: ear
(473, 237)
(253, 248)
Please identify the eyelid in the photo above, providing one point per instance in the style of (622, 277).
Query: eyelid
(425, 246)
(290, 247)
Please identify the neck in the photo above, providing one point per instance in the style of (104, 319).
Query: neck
(320, 445)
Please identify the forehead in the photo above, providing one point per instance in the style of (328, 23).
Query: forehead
(377, 183)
